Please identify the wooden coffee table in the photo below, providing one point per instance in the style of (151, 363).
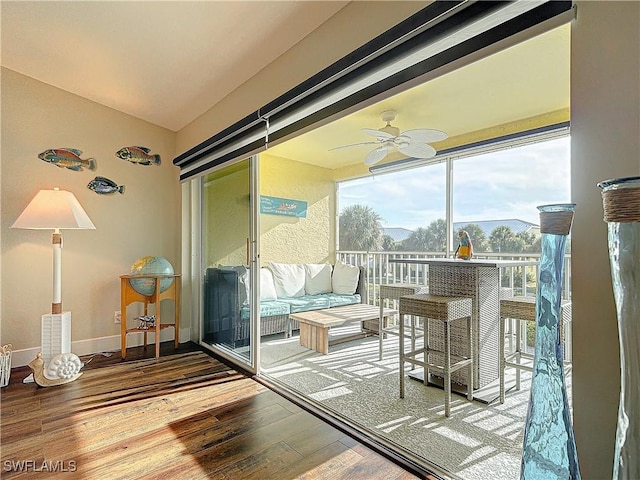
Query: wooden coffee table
(315, 324)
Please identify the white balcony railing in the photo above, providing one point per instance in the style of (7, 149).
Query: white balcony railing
(522, 280)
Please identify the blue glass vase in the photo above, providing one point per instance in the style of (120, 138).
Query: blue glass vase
(621, 200)
(549, 448)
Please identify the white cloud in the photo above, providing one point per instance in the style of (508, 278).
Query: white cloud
(505, 184)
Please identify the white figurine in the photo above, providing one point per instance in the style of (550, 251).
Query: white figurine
(63, 368)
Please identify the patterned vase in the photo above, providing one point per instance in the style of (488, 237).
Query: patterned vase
(621, 199)
(549, 449)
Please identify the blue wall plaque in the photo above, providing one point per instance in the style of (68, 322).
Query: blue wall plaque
(283, 206)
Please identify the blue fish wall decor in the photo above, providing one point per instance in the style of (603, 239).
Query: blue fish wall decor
(105, 186)
(139, 155)
(67, 158)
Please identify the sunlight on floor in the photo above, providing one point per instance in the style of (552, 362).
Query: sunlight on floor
(478, 441)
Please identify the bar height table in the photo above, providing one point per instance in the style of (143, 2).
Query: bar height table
(480, 280)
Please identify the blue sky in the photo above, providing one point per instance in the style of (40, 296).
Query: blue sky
(501, 185)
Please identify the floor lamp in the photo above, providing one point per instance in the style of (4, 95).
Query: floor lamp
(55, 210)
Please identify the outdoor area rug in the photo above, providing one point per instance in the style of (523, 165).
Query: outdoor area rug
(478, 441)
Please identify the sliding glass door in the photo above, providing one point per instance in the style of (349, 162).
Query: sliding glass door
(228, 254)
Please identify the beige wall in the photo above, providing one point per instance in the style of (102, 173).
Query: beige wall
(605, 143)
(143, 221)
(298, 240)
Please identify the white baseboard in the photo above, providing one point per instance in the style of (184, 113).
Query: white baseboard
(20, 358)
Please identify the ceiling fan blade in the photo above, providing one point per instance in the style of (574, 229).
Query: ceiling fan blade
(417, 150)
(353, 145)
(374, 156)
(424, 135)
(379, 134)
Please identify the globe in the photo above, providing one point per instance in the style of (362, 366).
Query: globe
(150, 266)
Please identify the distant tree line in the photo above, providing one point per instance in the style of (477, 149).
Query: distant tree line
(361, 230)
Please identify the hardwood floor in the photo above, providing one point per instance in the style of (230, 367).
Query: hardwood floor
(185, 415)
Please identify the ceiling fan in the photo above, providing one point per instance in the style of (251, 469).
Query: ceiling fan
(413, 143)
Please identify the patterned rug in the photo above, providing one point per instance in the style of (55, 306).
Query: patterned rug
(478, 440)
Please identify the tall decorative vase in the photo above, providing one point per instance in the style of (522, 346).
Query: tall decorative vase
(621, 199)
(549, 448)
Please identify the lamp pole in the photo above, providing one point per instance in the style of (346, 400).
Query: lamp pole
(56, 240)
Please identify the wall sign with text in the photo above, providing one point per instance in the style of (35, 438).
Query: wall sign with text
(283, 206)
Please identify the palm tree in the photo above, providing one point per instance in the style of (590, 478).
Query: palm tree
(360, 229)
(500, 238)
(388, 243)
(430, 239)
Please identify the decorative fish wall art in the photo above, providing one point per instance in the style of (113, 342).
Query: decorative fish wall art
(105, 186)
(139, 155)
(68, 158)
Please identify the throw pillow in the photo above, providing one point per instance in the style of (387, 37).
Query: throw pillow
(345, 279)
(317, 278)
(288, 279)
(267, 287)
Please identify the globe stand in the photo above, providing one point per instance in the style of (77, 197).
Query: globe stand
(129, 295)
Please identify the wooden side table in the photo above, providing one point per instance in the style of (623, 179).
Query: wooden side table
(128, 296)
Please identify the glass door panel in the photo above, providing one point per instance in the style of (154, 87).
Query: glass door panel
(227, 255)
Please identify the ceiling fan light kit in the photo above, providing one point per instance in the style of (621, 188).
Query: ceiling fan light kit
(412, 143)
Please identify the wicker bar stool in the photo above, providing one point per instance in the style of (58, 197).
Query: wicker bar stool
(393, 292)
(447, 310)
(523, 309)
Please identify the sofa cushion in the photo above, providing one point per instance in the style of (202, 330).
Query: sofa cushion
(267, 287)
(317, 278)
(307, 302)
(337, 300)
(288, 279)
(345, 279)
(268, 309)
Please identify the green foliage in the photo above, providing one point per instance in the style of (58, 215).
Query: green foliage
(502, 239)
(388, 244)
(430, 239)
(477, 236)
(360, 229)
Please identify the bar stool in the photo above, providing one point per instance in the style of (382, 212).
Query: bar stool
(523, 309)
(446, 310)
(393, 292)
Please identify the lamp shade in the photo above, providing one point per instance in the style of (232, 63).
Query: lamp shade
(54, 209)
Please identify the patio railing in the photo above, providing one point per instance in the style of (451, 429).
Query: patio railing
(522, 280)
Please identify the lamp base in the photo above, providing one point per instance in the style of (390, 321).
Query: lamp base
(56, 335)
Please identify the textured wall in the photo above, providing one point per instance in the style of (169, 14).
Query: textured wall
(298, 240)
(143, 221)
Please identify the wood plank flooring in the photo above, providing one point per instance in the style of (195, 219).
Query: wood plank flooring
(183, 416)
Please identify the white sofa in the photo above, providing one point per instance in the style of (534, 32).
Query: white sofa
(284, 289)
(293, 288)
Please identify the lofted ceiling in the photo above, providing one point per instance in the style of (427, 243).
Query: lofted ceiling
(166, 62)
(169, 62)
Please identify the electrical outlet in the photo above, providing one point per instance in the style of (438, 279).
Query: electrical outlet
(117, 316)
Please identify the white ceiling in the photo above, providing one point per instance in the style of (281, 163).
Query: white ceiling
(169, 62)
(164, 62)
